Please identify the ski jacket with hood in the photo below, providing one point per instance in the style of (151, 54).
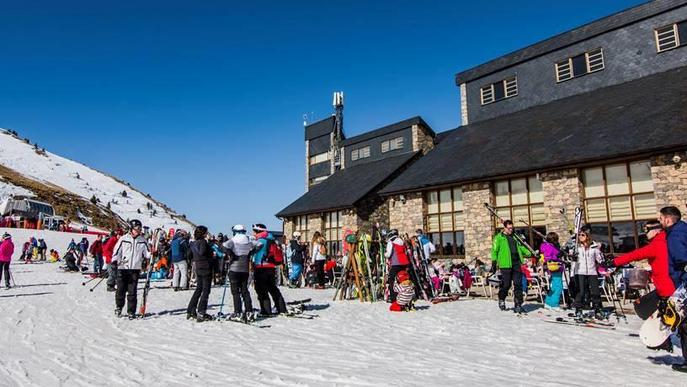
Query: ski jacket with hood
(260, 256)
(587, 260)
(656, 252)
(129, 252)
(296, 252)
(6, 250)
(202, 256)
(179, 248)
(239, 247)
(500, 252)
(396, 252)
(108, 248)
(676, 236)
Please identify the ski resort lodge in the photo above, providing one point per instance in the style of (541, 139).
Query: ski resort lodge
(593, 117)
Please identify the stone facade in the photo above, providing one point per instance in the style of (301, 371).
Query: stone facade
(289, 228)
(409, 216)
(349, 219)
(422, 141)
(562, 190)
(670, 180)
(479, 227)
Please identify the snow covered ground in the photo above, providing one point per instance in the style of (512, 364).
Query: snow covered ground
(56, 332)
(80, 180)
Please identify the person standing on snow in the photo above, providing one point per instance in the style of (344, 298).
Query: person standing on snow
(550, 249)
(178, 251)
(265, 272)
(508, 255)
(97, 254)
(83, 250)
(108, 250)
(296, 253)
(203, 261)
(319, 257)
(397, 254)
(6, 251)
(129, 253)
(238, 249)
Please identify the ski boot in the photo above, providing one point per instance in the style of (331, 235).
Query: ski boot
(118, 312)
(236, 317)
(502, 305)
(190, 316)
(579, 315)
(204, 317)
(518, 309)
(251, 316)
(599, 314)
(131, 316)
(679, 367)
(111, 289)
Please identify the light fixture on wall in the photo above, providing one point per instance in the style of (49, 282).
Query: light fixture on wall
(677, 159)
(402, 198)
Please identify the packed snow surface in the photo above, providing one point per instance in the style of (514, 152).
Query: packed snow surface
(80, 180)
(55, 332)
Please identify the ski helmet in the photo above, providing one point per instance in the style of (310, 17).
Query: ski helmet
(393, 233)
(6, 236)
(297, 234)
(238, 229)
(259, 227)
(135, 223)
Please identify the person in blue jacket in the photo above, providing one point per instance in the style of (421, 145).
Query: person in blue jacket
(676, 236)
(179, 250)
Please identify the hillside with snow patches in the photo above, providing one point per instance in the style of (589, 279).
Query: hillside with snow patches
(28, 170)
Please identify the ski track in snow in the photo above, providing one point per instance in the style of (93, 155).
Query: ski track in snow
(57, 333)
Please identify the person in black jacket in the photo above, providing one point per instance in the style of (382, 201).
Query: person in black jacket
(203, 260)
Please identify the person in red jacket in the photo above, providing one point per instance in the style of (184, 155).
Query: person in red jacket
(656, 252)
(96, 251)
(108, 249)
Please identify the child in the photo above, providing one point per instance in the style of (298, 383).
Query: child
(54, 256)
(405, 293)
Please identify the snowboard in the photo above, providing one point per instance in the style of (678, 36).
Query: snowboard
(653, 332)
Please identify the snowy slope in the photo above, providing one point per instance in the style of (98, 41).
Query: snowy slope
(46, 167)
(56, 332)
(8, 189)
(54, 239)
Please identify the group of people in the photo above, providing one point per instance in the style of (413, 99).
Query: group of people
(666, 253)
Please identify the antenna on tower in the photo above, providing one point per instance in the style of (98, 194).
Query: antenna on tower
(338, 102)
(305, 119)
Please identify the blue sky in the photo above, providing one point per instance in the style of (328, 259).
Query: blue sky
(201, 103)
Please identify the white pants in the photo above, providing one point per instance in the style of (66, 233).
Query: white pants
(180, 279)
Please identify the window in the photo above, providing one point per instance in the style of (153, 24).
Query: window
(522, 200)
(317, 180)
(618, 199)
(445, 221)
(579, 65)
(300, 224)
(671, 36)
(506, 88)
(333, 232)
(319, 158)
(360, 153)
(393, 144)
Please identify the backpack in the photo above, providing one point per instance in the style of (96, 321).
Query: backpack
(274, 254)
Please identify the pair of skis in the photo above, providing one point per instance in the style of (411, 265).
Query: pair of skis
(146, 289)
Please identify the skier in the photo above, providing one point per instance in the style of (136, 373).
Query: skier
(42, 248)
(676, 236)
(108, 250)
(508, 254)
(178, 252)
(319, 257)
(6, 251)
(129, 253)
(265, 273)
(83, 250)
(586, 272)
(296, 253)
(238, 249)
(203, 260)
(97, 254)
(550, 249)
(396, 253)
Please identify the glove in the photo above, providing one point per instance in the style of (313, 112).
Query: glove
(608, 263)
(662, 306)
(493, 268)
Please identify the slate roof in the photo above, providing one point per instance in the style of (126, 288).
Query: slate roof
(568, 38)
(641, 117)
(345, 188)
(417, 120)
(319, 128)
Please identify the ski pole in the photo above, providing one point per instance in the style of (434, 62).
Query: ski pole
(224, 293)
(98, 283)
(12, 278)
(92, 279)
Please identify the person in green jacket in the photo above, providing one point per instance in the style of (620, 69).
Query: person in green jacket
(507, 254)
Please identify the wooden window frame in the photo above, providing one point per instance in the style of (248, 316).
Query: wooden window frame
(516, 222)
(568, 62)
(631, 195)
(453, 212)
(489, 90)
(333, 250)
(676, 34)
(319, 158)
(301, 227)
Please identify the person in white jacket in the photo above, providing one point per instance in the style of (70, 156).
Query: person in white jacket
(589, 257)
(129, 253)
(319, 257)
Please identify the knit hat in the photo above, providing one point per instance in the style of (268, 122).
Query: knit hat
(402, 276)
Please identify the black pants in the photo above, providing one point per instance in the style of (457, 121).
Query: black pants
(682, 334)
(646, 305)
(239, 290)
(266, 286)
(5, 270)
(392, 280)
(199, 300)
(319, 266)
(589, 285)
(509, 276)
(127, 283)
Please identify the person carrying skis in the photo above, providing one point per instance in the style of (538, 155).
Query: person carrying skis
(676, 237)
(203, 260)
(238, 249)
(265, 272)
(319, 257)
(178, 252)
(108, 250)
(508, 255)
(129, 253)
(550, 249)
(296, 253)
(6, 251)
(397, 255)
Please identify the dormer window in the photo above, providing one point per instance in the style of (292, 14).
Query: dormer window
(497, 91)
(579, 65)
(671, 36)
(393, 144)
(360, 153)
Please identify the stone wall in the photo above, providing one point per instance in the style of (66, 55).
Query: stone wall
(350, 219)
(479, 227)
(562, 190)
(422, 141)
(409, 216)
(670, 181)
(315, 223)
(289, 227)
